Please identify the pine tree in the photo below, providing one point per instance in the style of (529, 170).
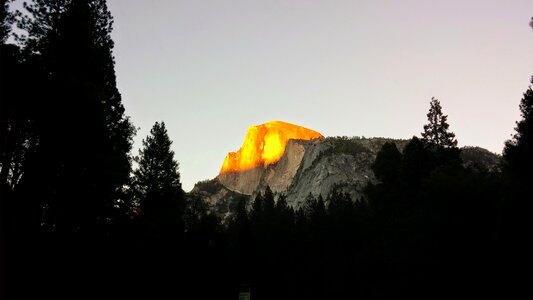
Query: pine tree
(157, 180)
(239, 237)
(17, 138)
(15, 117)
(518, 151)
(82, 163)
(268, 204)
(339, 204)
(284, 213)
(436, 131)
(199, 221)
(315, 210)
(262, 217)
(388, 162)
(240, 221)
(262, 212)
(256, 211)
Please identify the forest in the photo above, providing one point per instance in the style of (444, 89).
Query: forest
(82, 216)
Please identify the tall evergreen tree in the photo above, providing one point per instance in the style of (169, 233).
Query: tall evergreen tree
(284, 214)
(518, 151)
(315, 210)
(157, 180)
(240, 241)
(81, 163)
(239, 219)
(16, 137)
(256, 211)
(268, 204)
(519, 168)
(340, 205)
(436, 131)
(262, 212)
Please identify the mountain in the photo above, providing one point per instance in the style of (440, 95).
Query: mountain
(315, 165)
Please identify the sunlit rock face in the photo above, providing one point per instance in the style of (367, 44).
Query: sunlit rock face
(277, 176)
(264, 145)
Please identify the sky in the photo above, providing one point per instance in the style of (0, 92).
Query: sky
(210, 69)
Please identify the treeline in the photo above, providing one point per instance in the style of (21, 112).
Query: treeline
(430, 227)
(82, 217)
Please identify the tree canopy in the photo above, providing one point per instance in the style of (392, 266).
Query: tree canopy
(518, 151)
(68, 131)
(437, 132)
(156, 179)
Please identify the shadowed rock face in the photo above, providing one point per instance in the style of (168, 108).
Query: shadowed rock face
(314, 166)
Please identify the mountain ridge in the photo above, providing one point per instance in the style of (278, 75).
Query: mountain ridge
(318, 167)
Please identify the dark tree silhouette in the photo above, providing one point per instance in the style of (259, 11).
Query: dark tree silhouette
(256, 211)
(268, 200)
(284, 215)
(240, 243)
(315, 210)
(84, 137)
(417, 160)
(66, 159)
(18, 138)
(386, 167)
(436, 131)
(198, 219)
(340, 206)
(518, 151)
(157, 180)
(17, 132)
(240, 216)
(519, 170)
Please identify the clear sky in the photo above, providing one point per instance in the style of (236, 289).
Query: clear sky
(210, 69)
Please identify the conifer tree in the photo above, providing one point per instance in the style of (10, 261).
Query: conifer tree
(315, 209)
(240, 236)
(157, 180)
(436, 131)
(388, 161)
(241, 214)
(518, 151)
(339, 204)
(17, 132)
(268, 204)
(284, 213)
(256, 211)
(82, 162)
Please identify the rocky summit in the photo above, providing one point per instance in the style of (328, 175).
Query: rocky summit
(264, 145)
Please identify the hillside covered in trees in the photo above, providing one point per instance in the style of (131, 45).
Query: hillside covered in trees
(83, 217)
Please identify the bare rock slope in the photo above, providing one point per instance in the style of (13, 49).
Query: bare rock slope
(314, 166)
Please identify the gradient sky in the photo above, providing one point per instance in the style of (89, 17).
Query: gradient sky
(210, 69)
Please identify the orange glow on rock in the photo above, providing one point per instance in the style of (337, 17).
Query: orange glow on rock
(264, 145)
